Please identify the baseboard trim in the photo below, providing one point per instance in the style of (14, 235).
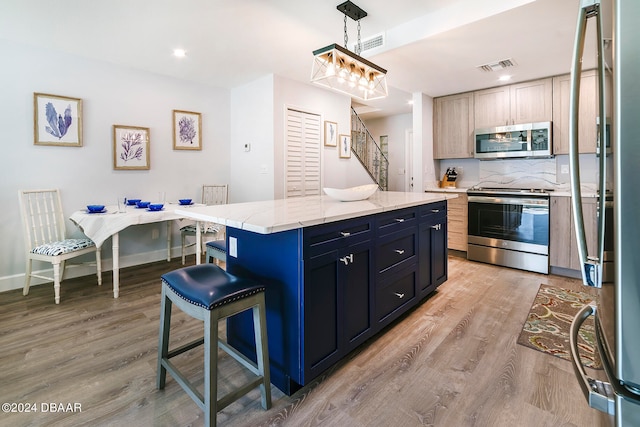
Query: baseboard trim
(16, 281)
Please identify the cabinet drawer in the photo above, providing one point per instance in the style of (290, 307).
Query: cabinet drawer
(394, 294)
(326, 237)
(399, 248)
(397, 220)
(433, 210)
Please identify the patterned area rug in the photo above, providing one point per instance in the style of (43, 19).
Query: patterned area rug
(547, 326)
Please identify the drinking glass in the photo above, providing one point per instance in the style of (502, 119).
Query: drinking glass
(122, 204)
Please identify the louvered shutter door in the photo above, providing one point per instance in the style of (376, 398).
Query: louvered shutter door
(303, 154)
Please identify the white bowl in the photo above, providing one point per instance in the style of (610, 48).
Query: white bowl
(352, 194)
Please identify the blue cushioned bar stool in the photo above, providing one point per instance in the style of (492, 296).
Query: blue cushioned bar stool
(217, 249)
(208, 293)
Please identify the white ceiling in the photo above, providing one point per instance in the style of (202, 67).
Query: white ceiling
(433, 46)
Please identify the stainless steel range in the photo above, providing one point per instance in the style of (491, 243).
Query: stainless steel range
(509, 227)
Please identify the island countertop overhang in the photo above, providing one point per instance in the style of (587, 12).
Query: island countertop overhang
(272, 216)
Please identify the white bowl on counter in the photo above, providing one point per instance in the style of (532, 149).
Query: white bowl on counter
(351, 194)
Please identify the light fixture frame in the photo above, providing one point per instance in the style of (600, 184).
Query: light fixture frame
(336, 67)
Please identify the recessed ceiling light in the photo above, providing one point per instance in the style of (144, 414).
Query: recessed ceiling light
(180, 53)
(504, 78)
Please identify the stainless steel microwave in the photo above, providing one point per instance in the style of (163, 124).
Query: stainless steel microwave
(525, 140)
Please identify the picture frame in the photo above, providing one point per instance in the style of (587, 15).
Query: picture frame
(330, 134)
(345, 147)
(57, 120)
(187, 130)
(131, 148)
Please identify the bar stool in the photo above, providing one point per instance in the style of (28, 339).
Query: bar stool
(217, 249)
(207, 292)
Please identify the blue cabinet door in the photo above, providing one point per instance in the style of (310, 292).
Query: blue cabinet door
(337, 306)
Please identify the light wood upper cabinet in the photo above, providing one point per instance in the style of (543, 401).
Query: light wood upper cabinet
(527, 102)
(587, 112)
(492, 107)
(453, 126)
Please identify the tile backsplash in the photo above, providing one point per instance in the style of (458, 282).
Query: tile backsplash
(520, 173)
(551, 174)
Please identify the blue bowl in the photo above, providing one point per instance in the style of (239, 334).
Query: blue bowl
(143, 204)
(156, 206)
(95, 208)
(132, 202)
(185, 201)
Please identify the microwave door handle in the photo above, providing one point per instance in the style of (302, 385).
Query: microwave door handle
(591, 268)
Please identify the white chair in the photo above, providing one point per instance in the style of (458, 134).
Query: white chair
(211, 195)
(45, 237)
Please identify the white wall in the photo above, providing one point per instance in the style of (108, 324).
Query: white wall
(423, 163)
(111, 95)
(252, 111)
(395, 127)
(331, 106)
(258, 116)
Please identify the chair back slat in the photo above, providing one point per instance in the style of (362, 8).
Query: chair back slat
(42, 216)
(215, 194)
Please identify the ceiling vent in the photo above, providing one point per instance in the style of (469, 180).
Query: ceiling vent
(498, 65)
(370, 43)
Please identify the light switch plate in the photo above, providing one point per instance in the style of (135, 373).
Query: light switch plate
(233, 247)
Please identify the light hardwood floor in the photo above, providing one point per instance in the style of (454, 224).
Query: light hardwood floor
(453, 361)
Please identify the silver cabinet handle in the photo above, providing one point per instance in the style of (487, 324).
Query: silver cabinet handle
(592, 265)
(347, 259)
(399, 295)
(435, 210)
(399, 219)
(399, 251)
(599, 394)
(437, 226)
(345, 233)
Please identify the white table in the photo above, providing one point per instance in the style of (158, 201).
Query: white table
(100, 226)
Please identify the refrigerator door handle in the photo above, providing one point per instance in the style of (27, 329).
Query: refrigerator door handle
(599, 394)
(591, 265)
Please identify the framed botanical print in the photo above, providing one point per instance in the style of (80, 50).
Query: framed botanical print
(330, 134)
(345, 146)
(130, 148)
(187, 130)
(57, 120)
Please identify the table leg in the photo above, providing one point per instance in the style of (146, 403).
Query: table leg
(198, 242)
(115, 246)
(169, 240)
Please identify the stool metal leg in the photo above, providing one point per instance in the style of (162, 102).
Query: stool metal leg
(211, 368)
(262, 351)
(163, 344)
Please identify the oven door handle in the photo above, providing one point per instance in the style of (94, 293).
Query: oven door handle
(521, 201)
(591, 265)
(599, 394)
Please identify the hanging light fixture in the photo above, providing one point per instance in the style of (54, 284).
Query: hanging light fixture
(340, 69)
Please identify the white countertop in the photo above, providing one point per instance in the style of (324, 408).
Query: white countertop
(272, 216)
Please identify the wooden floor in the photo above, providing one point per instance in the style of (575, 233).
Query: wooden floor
(453, 361)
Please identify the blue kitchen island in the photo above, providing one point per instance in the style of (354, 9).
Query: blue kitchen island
(336, 272)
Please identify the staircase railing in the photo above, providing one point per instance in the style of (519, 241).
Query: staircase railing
(364, 146)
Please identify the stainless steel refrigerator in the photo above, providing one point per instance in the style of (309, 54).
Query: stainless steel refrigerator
(615, 266)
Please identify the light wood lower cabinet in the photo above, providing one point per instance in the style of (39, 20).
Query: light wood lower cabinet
(457, 222)
(563, 249)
